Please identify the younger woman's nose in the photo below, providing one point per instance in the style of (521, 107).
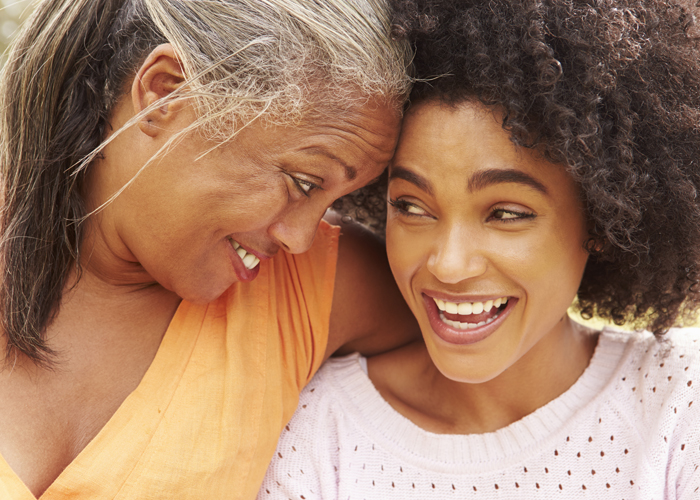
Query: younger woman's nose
(457, 257)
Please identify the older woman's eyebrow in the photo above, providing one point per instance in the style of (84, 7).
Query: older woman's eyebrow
(397, 172)
(484, 178)
(350, 171)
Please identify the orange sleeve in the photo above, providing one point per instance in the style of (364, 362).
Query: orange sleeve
(303, 287)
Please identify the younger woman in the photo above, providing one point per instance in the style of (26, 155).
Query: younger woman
(558, 159)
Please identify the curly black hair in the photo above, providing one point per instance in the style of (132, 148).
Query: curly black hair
(609, 88)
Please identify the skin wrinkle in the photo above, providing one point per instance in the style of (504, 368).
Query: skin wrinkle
(350, 172)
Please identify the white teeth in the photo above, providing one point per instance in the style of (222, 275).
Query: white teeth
(464, 326)
(467, 308)
(249, 260)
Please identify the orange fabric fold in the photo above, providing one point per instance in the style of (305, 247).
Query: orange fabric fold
(204, 421)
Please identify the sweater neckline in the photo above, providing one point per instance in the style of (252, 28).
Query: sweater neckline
(392, 430)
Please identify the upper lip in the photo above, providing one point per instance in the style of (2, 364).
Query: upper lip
(481, 297)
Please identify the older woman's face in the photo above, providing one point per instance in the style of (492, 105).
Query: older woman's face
(197, 225)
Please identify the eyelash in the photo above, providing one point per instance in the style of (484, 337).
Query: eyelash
(518, 215)
(300, 183)
(402, 207)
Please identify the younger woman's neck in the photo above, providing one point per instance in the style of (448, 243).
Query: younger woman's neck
(412, 384)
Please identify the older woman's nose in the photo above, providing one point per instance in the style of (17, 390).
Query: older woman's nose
(295, 230)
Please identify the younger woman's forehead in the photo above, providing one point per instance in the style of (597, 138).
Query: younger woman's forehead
(468, 144)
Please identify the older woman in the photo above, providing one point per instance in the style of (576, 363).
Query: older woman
(165, 167)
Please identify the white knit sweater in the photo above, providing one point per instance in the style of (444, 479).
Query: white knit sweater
(629, 428)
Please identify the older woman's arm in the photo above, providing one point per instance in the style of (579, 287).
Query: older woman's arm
(368, 314)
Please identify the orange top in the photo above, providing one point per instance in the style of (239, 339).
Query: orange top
(204, 421)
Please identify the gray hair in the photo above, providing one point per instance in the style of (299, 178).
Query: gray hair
(243, 59)
(278, 58)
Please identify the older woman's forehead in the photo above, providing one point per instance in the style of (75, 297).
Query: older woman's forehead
(372, 129)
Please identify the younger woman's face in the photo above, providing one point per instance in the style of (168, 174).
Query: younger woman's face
(485, 239)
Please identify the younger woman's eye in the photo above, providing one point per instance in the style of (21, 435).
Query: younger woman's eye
(407, 208)
(510, 215)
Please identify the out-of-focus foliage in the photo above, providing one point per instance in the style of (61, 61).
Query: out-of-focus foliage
(12, 13)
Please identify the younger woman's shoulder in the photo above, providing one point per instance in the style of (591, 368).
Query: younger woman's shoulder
(656, 370)
(684, 343)
(335, 377)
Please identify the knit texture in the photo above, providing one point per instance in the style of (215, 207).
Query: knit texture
(629, 428)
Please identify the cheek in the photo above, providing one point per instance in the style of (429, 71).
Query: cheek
(554, 275)
(246, 207)
(407, 254)
(568, 253)
(396, 259)
(256, 210)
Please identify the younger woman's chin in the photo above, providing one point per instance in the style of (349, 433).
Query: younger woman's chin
(456, 371)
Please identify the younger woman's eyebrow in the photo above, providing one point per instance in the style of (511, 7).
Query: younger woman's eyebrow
(484, 178)
(479, 180)
(397, 172)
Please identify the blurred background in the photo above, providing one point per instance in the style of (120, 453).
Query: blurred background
(12, 13)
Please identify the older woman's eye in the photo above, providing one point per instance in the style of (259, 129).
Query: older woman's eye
(305, 187)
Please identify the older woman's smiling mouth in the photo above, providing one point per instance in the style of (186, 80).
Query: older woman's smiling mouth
(249, 259)
(245, 261)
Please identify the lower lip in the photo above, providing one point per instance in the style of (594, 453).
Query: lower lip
(453, 335)
(242, 272)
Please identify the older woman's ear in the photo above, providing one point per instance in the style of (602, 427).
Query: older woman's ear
(158, 77)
